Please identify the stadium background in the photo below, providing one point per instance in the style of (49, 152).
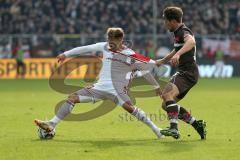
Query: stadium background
(44, 29)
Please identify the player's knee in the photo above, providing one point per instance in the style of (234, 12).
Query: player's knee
(166, 96)
(73, 98)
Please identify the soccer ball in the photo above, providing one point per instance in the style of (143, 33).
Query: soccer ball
(42, 134)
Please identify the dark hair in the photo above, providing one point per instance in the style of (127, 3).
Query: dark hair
(173, 13)
(115, 33)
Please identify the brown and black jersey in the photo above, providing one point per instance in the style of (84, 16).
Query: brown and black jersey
(189, 58)
(187, 75)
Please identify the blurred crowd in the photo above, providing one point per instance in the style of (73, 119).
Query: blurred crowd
(94, 16)
(85, 22)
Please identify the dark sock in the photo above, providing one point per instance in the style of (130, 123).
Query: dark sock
(186, 116)
(195, 125)
(172, 111)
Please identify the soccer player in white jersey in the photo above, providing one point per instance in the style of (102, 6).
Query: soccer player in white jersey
(118, 65)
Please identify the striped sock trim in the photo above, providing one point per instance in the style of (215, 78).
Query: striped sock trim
(192, 120)
(69, 102)
(170, 105)
(173, 121)
(135, 111)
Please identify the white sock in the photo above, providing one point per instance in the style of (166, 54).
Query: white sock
(192, 120)
(141, 115)
(63, 111)
(55, 120)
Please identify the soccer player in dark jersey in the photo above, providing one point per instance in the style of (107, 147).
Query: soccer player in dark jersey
(184, 58)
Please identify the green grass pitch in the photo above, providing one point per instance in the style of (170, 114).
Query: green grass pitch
(112, 137)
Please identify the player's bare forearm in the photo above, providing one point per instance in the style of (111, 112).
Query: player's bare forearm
(169, 56)
(166, 59)
(189, 44)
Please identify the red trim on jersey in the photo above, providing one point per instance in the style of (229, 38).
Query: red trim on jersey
(140, 57)
(137, 56)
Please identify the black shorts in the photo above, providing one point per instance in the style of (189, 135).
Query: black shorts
(185, 79)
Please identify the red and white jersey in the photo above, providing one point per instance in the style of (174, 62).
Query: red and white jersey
(117, 67)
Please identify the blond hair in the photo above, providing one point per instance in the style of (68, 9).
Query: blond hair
(115, 33)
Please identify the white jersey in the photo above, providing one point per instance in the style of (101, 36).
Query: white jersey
(116, 67)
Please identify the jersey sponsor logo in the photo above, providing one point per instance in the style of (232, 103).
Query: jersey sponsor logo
(178, 44)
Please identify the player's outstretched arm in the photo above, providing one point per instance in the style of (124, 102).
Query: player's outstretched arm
(81, 50)
(166, 59)
(144, 65)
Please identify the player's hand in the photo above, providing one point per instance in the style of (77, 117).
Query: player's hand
(175, 60)
(61, 58)
(158, 92)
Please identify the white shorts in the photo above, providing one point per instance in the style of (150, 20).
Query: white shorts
(89, 94)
